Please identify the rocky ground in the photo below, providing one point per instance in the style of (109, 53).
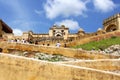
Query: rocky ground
(113, 50)
(42, 56)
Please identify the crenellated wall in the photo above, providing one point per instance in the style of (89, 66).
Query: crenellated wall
(20, 68)
(112, 23)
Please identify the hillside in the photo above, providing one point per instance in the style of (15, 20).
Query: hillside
(94, 38)
(102, 44)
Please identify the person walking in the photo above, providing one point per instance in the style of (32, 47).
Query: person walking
(58, 44)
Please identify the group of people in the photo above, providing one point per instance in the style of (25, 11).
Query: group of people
(58, 44)
(18, 40)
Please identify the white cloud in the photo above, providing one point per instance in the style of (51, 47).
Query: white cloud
(38, 12)
(17, 32)
(71, 24)
(104, 5)
(65, 8)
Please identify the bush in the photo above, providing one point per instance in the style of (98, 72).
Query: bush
(113, 37)
(101, 48)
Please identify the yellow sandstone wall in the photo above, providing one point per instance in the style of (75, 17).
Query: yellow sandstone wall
(19, 68)
(54, 50)
(103, 64)
(94, 38)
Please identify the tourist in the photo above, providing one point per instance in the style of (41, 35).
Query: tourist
(23, 41)
(48, 44)
(18, 40)
(15, 40)
(36, 42)
(30, 41)
(12, 40)
(65, 45)
(58, 44)
(43, 44)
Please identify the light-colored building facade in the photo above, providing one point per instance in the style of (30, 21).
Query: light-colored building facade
(57, 31)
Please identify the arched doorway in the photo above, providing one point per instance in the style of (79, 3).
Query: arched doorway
(58, 34)
(111, 28)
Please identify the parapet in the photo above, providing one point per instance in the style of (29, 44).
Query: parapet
(112, 18)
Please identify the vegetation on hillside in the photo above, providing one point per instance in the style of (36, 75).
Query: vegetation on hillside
(102, 44)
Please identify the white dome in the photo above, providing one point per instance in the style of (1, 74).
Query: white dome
(81, 29)
(99, 29)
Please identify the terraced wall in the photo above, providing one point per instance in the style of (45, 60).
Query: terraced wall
(20, 68)
(103, 64)
(76, 53)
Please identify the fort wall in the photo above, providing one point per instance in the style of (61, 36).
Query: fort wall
(102, 64)
(76, 53)
(94, 38)
(20, 68)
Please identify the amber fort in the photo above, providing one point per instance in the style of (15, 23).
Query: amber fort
(28, 62)
(110, 24)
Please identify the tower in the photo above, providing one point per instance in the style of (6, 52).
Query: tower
(112, 23)
(59, 31)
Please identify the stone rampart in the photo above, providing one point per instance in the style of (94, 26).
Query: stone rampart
(76, 53)
(94, 38)
(20, 68)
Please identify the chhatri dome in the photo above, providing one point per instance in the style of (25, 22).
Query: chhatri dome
(99, 29)
(81, 29)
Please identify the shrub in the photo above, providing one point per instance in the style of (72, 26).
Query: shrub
(113, 37)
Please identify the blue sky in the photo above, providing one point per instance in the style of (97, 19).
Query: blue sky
(40, 15)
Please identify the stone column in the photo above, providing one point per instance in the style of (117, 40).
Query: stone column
(50, 33)
(66, 34)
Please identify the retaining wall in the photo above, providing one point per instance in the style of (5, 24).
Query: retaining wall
(20, 68)
(104, 64)
(76, 53)
(94, 38)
